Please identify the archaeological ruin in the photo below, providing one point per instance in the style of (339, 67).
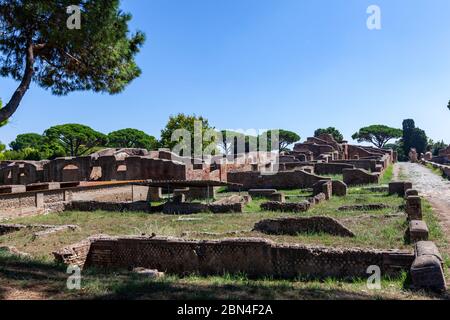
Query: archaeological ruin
(160, 182)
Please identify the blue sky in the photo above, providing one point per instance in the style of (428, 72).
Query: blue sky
(292, 64)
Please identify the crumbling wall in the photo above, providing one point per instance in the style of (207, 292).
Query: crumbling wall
(354, 177)
(280, 180)
(253, 257)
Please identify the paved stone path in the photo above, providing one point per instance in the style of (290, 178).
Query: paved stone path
(431, 186)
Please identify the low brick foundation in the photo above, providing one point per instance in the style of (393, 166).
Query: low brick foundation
(286, 207)
(281, 180)
(254, 257)
(90, 206)
(294, 226)
(365, 207)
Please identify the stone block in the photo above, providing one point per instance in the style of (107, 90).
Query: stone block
(325, 187)
(418, 231)
(286, 207)
(339, 188)
(399, 188)
(427, 274)
(414, 208)
(354, 177)
(427, 248)
(278, 197)
(411, 192)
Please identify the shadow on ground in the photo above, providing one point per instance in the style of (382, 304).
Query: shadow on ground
(31, 279)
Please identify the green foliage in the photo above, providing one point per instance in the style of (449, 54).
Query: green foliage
(98, 57)
(187, 122)
(75, 139)
(131, 138)
(27, 140)
(378, 135)
(337, 135)
(413, 137)
(398, 147)
(51, 150)
(229, 141)
(33, 146)
(24, 154)
(285, 139)
(435, 147)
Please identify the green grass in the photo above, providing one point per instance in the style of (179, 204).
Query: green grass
(387, 175)
(436, 171)
(339, 177)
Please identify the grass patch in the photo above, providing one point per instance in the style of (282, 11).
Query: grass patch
(388, 175)
(436, 171)
(43, 280)
(339, 177)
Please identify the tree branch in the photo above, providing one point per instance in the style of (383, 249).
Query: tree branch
(11, 106)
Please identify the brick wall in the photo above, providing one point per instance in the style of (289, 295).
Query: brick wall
(38, 202)
(254, 257)
(280, 180)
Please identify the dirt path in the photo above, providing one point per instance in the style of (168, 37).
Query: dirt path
(434, 188)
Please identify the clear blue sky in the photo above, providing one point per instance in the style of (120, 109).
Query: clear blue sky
(293, 64)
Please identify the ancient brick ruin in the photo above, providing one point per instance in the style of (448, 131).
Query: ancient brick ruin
(131, 179)
(256, 258)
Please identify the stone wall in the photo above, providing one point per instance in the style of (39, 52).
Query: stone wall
(280, 180)
(39, 202)
(194, 208)
(286, 207)
(253, 257)
(90, 206)
(114, 167)
(294, 226)
(331, 168)
(354, 177)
